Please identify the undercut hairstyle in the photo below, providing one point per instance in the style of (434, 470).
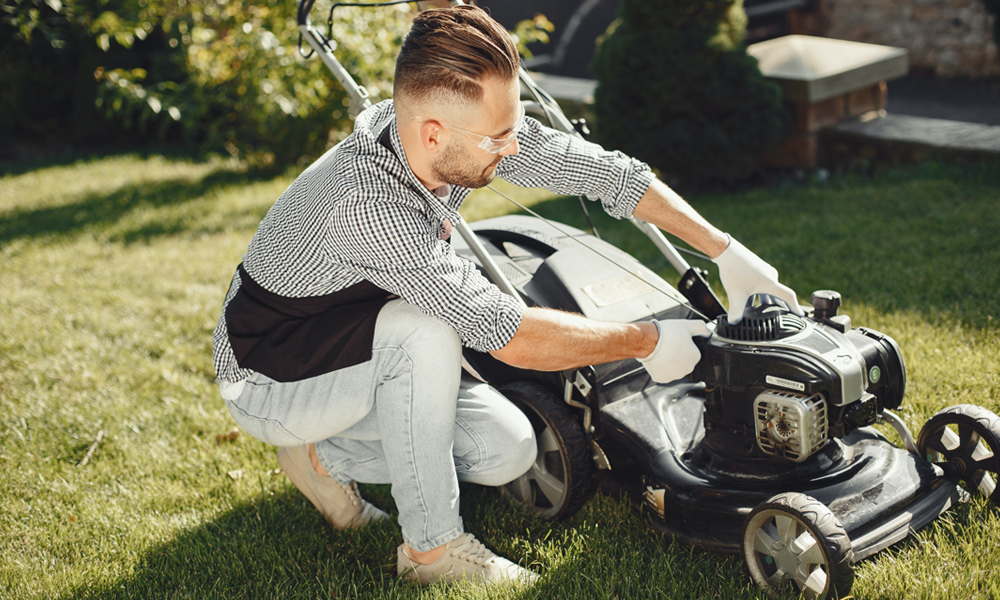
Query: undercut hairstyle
(451, 50)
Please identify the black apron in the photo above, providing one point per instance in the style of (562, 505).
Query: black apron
(290, 339)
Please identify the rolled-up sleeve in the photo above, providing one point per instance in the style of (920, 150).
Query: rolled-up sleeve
(566, 164)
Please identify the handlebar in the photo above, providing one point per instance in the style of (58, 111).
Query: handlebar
(303, 10)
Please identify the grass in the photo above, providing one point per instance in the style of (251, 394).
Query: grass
(113, 272)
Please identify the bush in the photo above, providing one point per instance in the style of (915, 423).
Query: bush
(677, 89)
(218, 75)
(214, 74)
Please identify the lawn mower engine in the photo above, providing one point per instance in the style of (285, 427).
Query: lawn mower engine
(770, 440)
(779, 386)
(767, 449)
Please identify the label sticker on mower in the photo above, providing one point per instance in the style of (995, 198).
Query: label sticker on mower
(788, 384)
(618, 289)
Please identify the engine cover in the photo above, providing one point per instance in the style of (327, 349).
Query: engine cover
(779, 384)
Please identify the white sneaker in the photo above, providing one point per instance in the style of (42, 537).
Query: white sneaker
(341, 504)
(464, 557)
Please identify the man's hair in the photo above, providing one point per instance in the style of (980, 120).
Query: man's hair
(453, 50)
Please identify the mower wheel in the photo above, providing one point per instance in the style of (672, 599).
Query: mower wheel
(561, 479)
(795, 539)
(964, 440)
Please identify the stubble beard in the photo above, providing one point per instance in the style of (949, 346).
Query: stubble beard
(453, 167)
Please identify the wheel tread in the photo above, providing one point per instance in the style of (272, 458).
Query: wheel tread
(965, 415)
(572, 439)
(826, 528)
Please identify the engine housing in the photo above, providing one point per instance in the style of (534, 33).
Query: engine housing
(782, 385)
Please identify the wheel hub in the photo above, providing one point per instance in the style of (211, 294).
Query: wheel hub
(956, 467)
(793, 538)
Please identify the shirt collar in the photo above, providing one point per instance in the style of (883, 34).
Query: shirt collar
(447, 206)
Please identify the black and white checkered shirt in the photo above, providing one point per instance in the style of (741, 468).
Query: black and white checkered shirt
(359, 213)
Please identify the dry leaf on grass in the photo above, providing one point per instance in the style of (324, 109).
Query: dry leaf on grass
(230, 436)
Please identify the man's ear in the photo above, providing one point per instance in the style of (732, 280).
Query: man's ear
(431, 136)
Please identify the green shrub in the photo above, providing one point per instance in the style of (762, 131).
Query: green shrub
(214, 74)
(677, 89)
(219, 75)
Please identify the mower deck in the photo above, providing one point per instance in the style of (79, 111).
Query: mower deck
(878, 491)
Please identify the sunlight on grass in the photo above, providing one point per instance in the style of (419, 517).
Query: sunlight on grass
(486, 203)
(113, 275)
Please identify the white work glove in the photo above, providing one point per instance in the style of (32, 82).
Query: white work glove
(675, 354)
(744, 274)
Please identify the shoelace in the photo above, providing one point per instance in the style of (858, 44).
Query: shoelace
(473, 551)
(351, 489)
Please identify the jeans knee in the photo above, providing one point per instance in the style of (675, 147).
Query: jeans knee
(512, 451)
(439, 335)
(523, 454)
(405, 325)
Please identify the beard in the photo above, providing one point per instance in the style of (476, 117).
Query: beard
(456, 167)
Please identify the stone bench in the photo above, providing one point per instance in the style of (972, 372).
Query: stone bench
(824, 82)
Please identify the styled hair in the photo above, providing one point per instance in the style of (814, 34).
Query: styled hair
(452, 50)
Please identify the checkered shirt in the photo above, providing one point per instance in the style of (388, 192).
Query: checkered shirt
(359, 213)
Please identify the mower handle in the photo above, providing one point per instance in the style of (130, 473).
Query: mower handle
(361, 99)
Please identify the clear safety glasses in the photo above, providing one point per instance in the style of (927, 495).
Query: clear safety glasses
(490, 144)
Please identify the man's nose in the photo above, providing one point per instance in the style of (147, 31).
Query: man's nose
(511, 149)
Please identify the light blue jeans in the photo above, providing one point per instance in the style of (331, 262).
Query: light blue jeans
(408, 417)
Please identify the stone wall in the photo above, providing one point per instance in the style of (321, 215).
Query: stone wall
(944, 37)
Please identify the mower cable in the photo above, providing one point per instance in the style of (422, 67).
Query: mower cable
(693, 253)
(679, 298)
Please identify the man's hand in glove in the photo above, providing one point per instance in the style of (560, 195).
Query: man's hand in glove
(675, 354)
(744, 274)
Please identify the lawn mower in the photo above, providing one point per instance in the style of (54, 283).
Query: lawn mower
(767, 449)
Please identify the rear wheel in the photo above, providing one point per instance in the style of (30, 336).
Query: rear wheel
(794, 539)
(561, 479)
(964, 440)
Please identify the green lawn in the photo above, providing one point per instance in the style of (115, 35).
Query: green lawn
(112, 272)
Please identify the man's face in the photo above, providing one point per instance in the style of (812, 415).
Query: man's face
(462, 162)
(465, 165)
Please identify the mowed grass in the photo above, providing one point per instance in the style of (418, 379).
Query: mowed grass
(112, 274)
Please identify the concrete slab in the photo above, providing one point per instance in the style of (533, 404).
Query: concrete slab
(810, 69)
(572, 89)
(938, 133)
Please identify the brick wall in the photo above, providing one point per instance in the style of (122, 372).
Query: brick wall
(944, 37)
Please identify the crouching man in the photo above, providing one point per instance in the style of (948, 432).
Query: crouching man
(342, 332)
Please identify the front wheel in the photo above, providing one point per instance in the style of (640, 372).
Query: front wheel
(964, 440)
(794, 539)
(561, 479)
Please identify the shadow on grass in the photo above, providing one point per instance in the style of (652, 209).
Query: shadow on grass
(278, 546)
(63, 156)
(103, 210)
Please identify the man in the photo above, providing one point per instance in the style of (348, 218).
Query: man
(342, 332)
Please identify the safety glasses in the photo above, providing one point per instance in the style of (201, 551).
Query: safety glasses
(491, 144)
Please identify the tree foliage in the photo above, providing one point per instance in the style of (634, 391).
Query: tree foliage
(676, 88)
(218, 74)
